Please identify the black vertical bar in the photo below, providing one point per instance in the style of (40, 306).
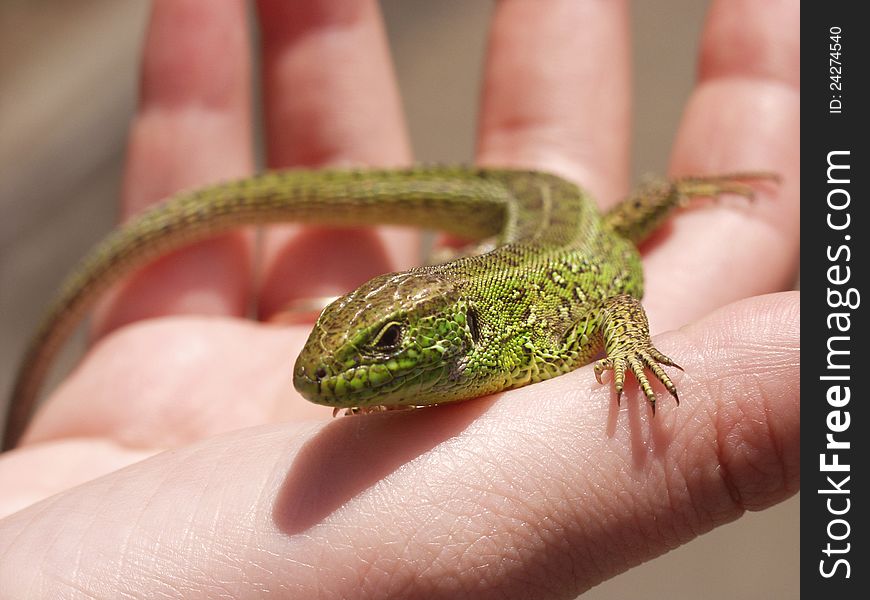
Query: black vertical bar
(834, 260)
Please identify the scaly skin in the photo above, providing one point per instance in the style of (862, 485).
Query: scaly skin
(562, 280)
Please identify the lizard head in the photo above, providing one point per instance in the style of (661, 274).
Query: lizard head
(400, 339)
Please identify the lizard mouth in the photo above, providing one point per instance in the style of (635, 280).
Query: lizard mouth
(348, 388)
(361, 386)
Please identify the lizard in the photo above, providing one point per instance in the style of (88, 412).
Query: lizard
(562, 283)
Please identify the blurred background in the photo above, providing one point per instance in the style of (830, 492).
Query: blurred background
(68, 73)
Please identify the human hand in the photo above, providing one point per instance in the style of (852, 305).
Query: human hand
(542, 491)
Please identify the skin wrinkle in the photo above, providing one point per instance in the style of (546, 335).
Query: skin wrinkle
(714, 415)
(745, 451)
(468, 585)
(702, 517)
(761, 86)
(50, 542)
(554, 545)
(517, 538)
(371, 574)
(37, 513)
(779, 453)
(280, 18)
(712, 74)
(772, 319)
(561, 157)
(726, 450)
(699, 520)
(128, 553)
(104, 507)
(464, 516)
(213, 527)
(80, 589)
(728, 478)
(643, 510)
(590, 521)
(675, 489)
(208, 552)
(217, 102)
(445, 557)
(139, 526)
(55, 569)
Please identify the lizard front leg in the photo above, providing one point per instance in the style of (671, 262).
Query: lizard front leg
(627, 343)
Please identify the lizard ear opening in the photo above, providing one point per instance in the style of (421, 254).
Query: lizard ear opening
(473, 324)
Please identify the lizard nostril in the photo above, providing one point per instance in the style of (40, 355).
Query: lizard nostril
(320, 373)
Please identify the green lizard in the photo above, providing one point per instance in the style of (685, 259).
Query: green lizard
(563, 283)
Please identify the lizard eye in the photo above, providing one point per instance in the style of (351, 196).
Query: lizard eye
(389, 337)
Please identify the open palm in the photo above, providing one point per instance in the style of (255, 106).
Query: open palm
(542, 491)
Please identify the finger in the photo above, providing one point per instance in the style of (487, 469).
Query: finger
(192, 127)
(743, 115)
(521, 502)
(557, 92)
(331, 99)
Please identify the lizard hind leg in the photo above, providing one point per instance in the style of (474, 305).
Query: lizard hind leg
(628, 346)
(652, 203)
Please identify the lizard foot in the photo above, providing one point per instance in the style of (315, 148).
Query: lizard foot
(628, 346)
(638, 360)
(367, 410)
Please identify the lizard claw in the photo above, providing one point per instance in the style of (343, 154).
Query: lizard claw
(638, 361)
